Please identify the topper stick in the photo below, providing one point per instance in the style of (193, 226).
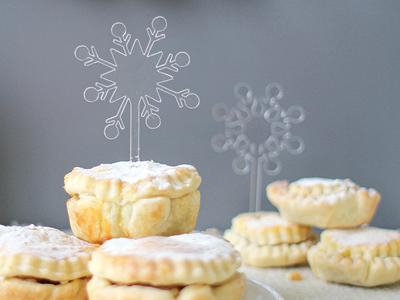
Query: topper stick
(130, 132)
(259, 188)
(253, 185)
(138, 130)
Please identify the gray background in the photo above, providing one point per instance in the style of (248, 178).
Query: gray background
(338, 59)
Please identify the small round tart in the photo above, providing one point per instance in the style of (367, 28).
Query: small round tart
(42, 262)
(132, 199)
(232, 289)
(366, 256)
(269, 228)
(127, 181)
(181, 260)
(324, 203)
(278, 255)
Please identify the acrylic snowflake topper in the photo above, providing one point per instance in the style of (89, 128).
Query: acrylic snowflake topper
(258, 129)
(135, 78)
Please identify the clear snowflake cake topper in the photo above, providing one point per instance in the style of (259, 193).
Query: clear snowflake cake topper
(132, 66)
(258, 129)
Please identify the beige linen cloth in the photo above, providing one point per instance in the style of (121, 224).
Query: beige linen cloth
(312, 288)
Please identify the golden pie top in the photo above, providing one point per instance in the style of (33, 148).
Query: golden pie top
(191, 246)
(42, 252)
(194, 258)
(262, 220)
(362, 236)
(135, 171)
(318, 190)
(269, 228)
(43, 242)
(128, 180)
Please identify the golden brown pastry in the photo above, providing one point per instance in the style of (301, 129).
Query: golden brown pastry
(42, 263)
(365, 256)
(324, 203)
(264, 239)
(132, 199)
(182, 267)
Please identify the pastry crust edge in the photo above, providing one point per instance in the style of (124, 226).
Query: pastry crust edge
(186, 180)
(21, 289)
(270, 235)
(281, 255)
(96, 221)
(51, 269)
(232, 289)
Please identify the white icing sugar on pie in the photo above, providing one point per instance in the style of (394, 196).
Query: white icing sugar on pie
(333, 196)
(344, 187)
(263, 220)
(131, 172)
(317, 180)
(197, 246)
(44, 242)
(364, 236)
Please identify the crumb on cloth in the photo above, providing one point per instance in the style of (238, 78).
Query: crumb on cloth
(294, 276)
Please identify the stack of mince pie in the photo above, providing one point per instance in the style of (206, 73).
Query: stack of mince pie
(349, 252)
(136, 219)
(265, 239)
(190, 266)
(42, 263)
(143, 213)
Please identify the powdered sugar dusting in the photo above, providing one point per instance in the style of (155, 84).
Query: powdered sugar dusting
(333, 189)
(364, 236)
(316, 180)
(44, 242)
(131, 172)
(264, 219)
(197, 246)
(332, 198)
